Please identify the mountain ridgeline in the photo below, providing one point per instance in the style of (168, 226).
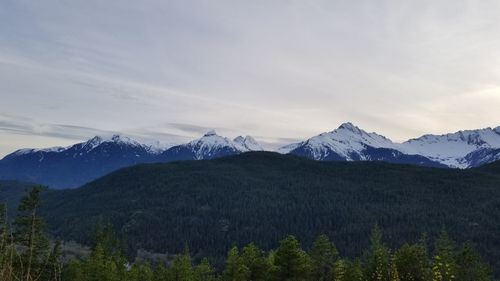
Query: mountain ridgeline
(78, 164)
(261, 197)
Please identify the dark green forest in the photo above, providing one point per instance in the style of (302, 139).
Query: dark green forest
(211, 206)
(263, 197)
(26, 254)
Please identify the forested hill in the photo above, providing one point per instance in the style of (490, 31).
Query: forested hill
(262, 197)
(11, 193)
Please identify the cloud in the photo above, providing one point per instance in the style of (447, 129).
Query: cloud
(275, 69)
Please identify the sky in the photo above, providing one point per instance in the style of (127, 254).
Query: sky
(280, 71)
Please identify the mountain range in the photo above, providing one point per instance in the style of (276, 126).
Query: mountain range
(73, 166)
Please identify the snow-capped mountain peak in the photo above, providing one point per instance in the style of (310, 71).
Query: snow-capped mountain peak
(34, 150)
(117, 139)
(350, 127)
(210, 133)
(452, 149)
(344, 142)
(248, 143)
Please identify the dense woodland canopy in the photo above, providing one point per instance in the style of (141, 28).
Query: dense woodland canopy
(25, 254)
(211, 206)
(263, 197)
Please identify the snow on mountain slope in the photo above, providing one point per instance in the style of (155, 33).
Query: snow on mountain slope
(452, 149)
(34, 150)
(462, 149)
(289, 147)
(77, 164)
(210, 146)
(248, 143)
(344, 142)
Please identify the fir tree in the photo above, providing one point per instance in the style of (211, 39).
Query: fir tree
(323, 254)
(30, 236)
(378, 259)
(255, 260)
(182, 268)
(204, 272)
(470, 266)
(291, 262)
(235, 268)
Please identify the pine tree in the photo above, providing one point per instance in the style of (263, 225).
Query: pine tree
(139, 272)
(323, 254)
(470, 266)
(7, 247)
(182, 268)
(255, 260)
(161, 273)
(413, 263)
(235, 270)
(378, 260)
(53, 267)
(291, 262)
(204, 272)
(444, 267)
(30, 236)
(340, 270)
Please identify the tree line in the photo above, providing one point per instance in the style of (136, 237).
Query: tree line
(26, 254)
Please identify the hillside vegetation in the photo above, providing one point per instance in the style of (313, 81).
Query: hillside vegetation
(262, 197)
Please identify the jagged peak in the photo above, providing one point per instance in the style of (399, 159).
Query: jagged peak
(210, 133)
(248, 142)
(348, 126)
(239, 139)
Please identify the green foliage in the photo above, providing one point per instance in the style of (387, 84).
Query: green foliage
(470, 265)
(412, 262)
(25, 253)
(204, 271)
(182, 268)
(262, 197)
(291, 263)
(378, 259)
(256, 261)
(235, 269)
(323, 254)
(444, 267)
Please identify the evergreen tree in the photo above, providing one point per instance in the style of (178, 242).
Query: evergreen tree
(291, 262)
(235, 269)
(255, 260)
(470, 266)
(140, 272)
(204, 272)
(30, 236)
(444, 267)
(182, 268)
(378, 258)
(161, 273)
(412, 262)
(323, 254)
(53, 267)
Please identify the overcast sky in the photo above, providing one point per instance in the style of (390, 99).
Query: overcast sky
(278, 70)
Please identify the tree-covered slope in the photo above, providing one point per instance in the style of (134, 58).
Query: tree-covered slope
(263, 196)
(11, 193)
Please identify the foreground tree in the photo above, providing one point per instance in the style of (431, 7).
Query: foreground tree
(291, 263)
(235, 269)
(323, 254)
(378, 259)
